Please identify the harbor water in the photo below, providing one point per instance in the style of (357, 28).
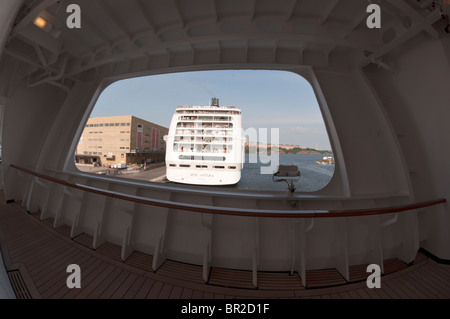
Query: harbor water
(313, 177)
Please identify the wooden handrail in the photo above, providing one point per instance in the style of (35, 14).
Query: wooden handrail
(238, 211)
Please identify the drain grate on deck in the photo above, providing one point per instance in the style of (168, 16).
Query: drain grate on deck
(22, 283)
(18, 285)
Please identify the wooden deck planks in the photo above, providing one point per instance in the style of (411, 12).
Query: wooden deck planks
(393, 265)
(63, 230)
(134, 288)
(154, 291)
(59, 278)
(98, 276)
(46, 255)
(140, 260)
(187, 293)
(123, 288)
(182, 271)
(423, 279)
(30, 252)
(323, 278)
(420, 257)
(41, 262)
(145, 288)
(19, 236)
(231, 278)
(62, 291)
(165, 291)
(176, 292)
(48, 222)
(111, 250)
(197, 294)
(412, 289)
(358, 272)
(85, 240)
(101, 288)
(111, 289)
(279, 281)
(435, 280)
(54, 267)
(89, 271)
(34, 240)
(391, 291)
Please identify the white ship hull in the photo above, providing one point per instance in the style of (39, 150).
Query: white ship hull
(205, 145)
(203, 177)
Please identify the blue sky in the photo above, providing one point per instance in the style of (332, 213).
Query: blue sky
(268, 99)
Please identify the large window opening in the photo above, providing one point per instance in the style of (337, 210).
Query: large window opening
(160, 127)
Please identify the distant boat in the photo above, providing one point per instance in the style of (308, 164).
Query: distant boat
(326, 160)
(205, 145)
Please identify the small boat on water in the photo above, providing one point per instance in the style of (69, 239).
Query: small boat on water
(326, 160)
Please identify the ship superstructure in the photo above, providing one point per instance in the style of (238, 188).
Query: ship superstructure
(205, 145)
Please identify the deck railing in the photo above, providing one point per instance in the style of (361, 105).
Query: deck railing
(238, 211)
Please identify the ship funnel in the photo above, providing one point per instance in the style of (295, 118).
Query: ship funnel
(214, 102)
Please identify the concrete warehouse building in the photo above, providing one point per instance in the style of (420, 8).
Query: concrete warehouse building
(124, 140)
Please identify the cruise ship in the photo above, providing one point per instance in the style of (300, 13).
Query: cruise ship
(205, 145)
(383, 92)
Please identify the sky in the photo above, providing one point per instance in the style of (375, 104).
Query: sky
(267, 99)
